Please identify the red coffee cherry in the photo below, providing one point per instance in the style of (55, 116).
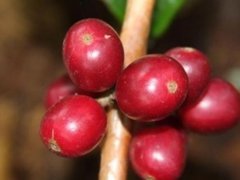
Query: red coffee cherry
(218, 109)
(93, 55)
(73, 126)
(151, 88)
(197, 67)
(60, 88)
(159, 153)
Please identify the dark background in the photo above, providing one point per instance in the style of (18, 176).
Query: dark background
(31, 34)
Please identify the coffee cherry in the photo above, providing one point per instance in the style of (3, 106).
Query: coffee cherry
(93, 55)
(218, 109)
(159, 153)
(196, 65)
(151, 88)
(60, 88)
(73, 126)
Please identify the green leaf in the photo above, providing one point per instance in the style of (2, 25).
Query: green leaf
(164, 13)
(117, 8)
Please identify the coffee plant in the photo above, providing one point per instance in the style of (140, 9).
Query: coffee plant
(137, 106)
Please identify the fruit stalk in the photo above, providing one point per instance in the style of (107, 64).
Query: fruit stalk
(136, 28)
(134, 36)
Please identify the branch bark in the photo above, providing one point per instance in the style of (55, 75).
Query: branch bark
(134, 36)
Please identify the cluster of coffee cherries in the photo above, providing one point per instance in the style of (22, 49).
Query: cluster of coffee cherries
(165, 95)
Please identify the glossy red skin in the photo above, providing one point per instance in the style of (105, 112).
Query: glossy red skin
(142, 93)
(73, 126)
(60, 88)
(197, 67)
(93, 63)
(217, 110)
(159, 153)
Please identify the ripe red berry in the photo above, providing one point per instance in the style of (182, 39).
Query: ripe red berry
(196, 65)
(93, 55)
(217, 109)
(159, 153)
(60, 88)
(151, 88)
(73, 126)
